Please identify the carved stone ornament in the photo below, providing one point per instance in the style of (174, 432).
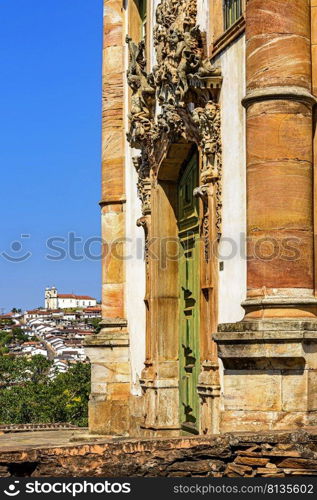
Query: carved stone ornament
(143, 95)
(142, 167)
(178, 100)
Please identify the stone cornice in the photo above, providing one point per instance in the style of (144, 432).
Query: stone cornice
(114, 201)
(280, 301)
(292, 93)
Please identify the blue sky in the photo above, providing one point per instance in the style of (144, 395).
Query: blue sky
(50, 129)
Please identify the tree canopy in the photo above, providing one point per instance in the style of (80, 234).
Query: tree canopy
(29, 394)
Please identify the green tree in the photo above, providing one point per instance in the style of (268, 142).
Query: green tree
(19, 335)
(21, 370)
(96, 323)
(29, 395)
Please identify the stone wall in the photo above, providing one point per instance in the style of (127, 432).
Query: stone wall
(229, 455)
(231, 247)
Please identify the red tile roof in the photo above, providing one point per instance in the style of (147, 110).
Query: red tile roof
(72, 296)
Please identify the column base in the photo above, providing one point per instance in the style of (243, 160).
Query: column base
(108, 351)
(270, 374)
(281, 307)
(108, 417)
(161, 407)
(208, 389)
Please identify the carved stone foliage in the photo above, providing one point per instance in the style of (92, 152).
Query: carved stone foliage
(143, 95)
(178, 100)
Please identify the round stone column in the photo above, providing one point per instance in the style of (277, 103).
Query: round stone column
(279, 160)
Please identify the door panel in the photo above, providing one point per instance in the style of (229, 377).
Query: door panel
(188, 224)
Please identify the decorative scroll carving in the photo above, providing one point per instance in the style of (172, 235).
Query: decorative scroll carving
(185, 85)
(143, 94)
(142, 167)
(144, 222)
(203, 192)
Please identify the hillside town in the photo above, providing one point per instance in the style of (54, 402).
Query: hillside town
(55, 333)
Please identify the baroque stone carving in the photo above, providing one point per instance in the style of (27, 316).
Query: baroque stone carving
(143, 93)
(180, 55)
(142, 167)
(203, 192)
(183, 86)
(144, 223)
(208, 123)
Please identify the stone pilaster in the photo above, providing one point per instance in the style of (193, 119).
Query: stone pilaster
(110, 379)
(269, 373)
(113, 161)
(109, 350)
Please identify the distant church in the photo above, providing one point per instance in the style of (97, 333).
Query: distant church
(55, 300)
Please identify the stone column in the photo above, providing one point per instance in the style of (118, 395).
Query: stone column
(279, 159)
(109, 350)
(270, 379)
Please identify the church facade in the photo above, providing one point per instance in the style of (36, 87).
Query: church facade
(56, 300)
(208, 218)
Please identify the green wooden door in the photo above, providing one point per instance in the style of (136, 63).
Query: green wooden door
(188, 224)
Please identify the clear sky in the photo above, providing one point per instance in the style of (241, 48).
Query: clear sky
(50, 128)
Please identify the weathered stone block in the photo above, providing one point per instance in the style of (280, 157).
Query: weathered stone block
(113, 58)
(108, 417)
(118, 391)
(310, 354)
(114, 258)
(113, 300)
(294, 390)
(252, 390)
(109, 356)
(312, 390)
(110, 372)
(113, 226)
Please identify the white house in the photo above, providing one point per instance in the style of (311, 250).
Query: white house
(59, 366)
(92, 312)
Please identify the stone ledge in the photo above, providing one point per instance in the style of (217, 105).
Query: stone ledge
(266, 339)
(292, 93)
(278, 326)
(114, 322)
(265, 336)
(110, 339)
(112, 201)
(263, 454)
